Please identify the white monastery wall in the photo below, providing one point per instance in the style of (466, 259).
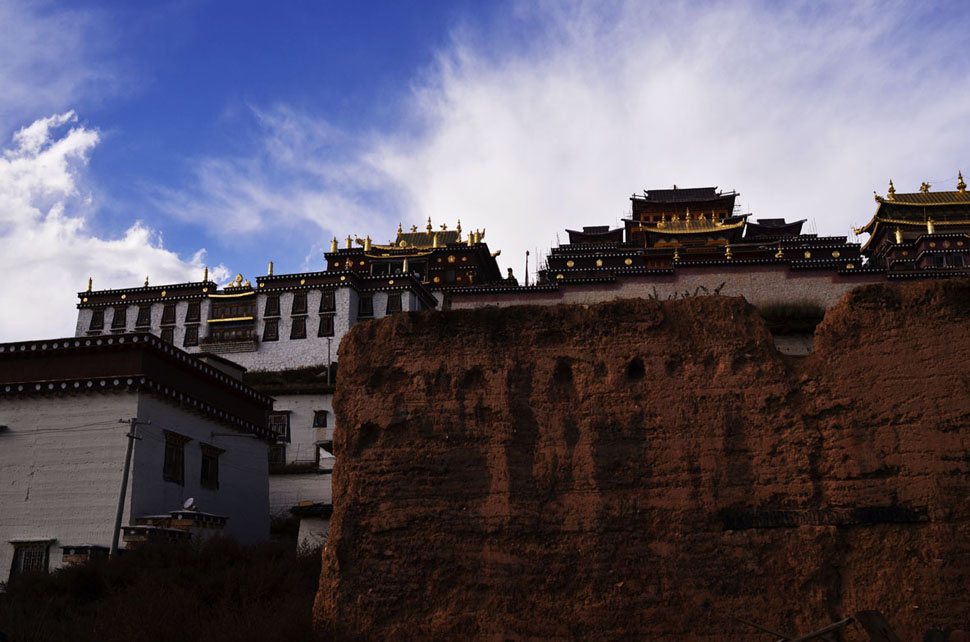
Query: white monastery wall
(287, 491)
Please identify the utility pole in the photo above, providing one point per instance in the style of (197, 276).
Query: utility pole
(133, 422)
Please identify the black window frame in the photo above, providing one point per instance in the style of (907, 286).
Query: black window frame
(282, 436)
(365, 306)
(22, 549)
(298, 328)
(119, 318)
(173, 463)
(97, 320)
(271, 308)
(191, 337)
(320, 418)
(209, 466)
(167, 334)
(271, 330)
(398, 307)
(193, 313)
(298, 305)
(144, 318)
(325, 329)
(328, 301)
(168, 314)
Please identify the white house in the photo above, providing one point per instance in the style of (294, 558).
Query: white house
(65, 412)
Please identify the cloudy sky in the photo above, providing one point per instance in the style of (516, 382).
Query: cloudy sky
(154, 138)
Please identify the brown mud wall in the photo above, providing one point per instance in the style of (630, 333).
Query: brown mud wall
(644, 470)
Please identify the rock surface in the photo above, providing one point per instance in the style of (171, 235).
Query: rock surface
(650, 470)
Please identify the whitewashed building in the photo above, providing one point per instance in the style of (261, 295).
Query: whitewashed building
(65, 405)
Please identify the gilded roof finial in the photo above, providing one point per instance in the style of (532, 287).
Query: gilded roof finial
(270, 271)
(350, 243)
(779, 254)
(458, 227)
(676, 253)
(663, 221)
(899, 235)
(925, 187)
(892, 190)
(930, 228)
(434, 240)
(687, 219)
(146, 281)
(404, 268)
(238, 281)
(414, 228)
(367, 243)
(961, 186)
(205, 273)
(90, 283)
(429, 225)
(444, 227)
(471, 239)
(727, 251)
(399, 230)
(333, 244)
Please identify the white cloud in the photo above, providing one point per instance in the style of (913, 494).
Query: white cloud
(44, 244)
(805, 108)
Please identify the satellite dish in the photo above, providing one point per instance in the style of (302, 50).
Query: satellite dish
(189, 504)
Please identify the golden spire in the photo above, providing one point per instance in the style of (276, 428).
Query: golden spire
(434, 240)
(471, 239)
(727, 252)
(925, 187)
(429, 225)
(367, 243)
(892, 191)
(90, 283)
(414, 228)
(701, 218)
(146, 281)
(238, 282)
(663, 220)
(205, 273)
(458, 227)
(687, 219)
(333, 244)
(270, 271)
(899, 236)
(350, 243)
(444, 227)
(405, 268)
(676, 253)
(961, 186)
(399, 230)
(930, 228)
(779, 254)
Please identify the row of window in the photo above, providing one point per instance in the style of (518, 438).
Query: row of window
(173, 467)
(119, 317)
(271, 328)
(279, 423)
(299, 306)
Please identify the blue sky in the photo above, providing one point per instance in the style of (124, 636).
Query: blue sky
(153, 138)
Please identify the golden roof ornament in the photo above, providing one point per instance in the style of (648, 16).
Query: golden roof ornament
(404, 269)
(727, 252)
(146, 281)
(333, 244)
(899, 236)
(350, 243)
(429, 225)
(270, 271)
(663, 221)
(930, 228)
(205, 273)
(687, 219)
(444, 227)
(892, 191)
(458, 227)
(367, 243)
(471, 239)
(925, 187)
(961, 186)
(676, 254)
(90, 283)
(779, 254)
(399, 230)
(414, 229)
(238, 282)
(434, 240)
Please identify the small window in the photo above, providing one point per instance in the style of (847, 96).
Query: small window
(209, 477)
(144, 319)
(279, 424)
(939, 260)
(271, 330)
(299, 303)
(327, 301)
(97, 319)
(30, 556)
(298, 328)
(272, 307)
(957, 260)
(168, 334)
(277, 455)
(365, 306)
(449, 276)
(191, 336)
(326, 326)
(119, 321)
(320, 418)
(393, 303)
(193, 314)
(173, 468)
(168, 314)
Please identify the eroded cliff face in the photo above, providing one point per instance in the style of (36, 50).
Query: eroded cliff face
(649, 470)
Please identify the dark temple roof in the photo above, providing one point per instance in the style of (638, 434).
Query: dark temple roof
(678, 195)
